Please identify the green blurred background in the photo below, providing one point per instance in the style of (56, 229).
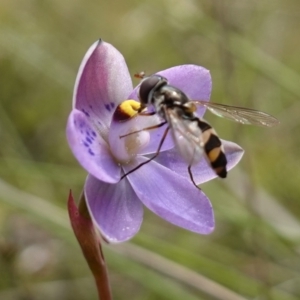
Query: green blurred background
(252, 51)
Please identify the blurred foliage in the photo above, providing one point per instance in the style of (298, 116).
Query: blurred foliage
(252, 51)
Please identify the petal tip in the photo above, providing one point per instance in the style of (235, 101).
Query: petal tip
(83, 63)
(210, 229)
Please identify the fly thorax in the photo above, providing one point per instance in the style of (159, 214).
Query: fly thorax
(158, 104)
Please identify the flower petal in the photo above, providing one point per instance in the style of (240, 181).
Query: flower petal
(90, 149)
(102, 82)
(193, 80)
(202, 172)
(172, 197)
(115, 208)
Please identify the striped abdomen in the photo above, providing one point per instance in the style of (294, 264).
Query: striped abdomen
(213, 149)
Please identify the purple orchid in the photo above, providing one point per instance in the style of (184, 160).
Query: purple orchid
(163, 185)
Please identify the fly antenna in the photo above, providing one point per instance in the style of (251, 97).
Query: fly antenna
(140, 75)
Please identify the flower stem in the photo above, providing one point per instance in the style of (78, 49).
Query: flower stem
(89, 242)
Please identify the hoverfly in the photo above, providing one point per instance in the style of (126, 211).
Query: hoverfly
(193, 136)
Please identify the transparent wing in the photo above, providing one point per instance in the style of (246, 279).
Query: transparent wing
(240, 114)
(187, 136)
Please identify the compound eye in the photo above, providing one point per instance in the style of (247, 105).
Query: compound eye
(147, 86)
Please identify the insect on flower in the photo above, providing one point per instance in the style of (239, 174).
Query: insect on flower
(193, 136)
(93, 129)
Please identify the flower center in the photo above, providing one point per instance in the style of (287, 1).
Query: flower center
(126, 135)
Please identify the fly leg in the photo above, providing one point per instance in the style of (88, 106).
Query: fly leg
(191, 176)
(157, 151)
(190, 171)
(151, 113)
(147, 128)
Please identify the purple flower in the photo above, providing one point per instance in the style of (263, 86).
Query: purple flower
(163, 185)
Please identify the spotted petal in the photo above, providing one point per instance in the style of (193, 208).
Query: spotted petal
(102, 82)
(172, 197)
(90, 149)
